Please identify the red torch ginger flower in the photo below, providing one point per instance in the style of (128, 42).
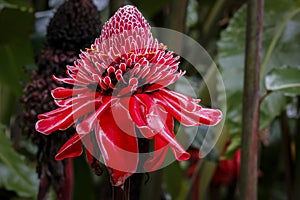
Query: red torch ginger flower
(119, 93)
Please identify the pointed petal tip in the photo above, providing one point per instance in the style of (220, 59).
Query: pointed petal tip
(183, 157)
(214, 116)
(72, 148)
(63, 155)
(118, 178)
(39, 127)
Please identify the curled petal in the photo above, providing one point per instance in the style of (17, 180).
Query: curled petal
(188, 113)
(72, 148)
(164, 140)
(160, 123)
(138, 111)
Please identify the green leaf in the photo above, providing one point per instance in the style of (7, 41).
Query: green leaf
(270, 108)
(285, 79)
(235, 144)
(281, 36)
(16, 24)
(15, 173)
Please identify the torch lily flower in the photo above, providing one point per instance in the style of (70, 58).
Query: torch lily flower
(119, 94)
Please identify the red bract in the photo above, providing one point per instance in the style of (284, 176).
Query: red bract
(119, 88)
(228, 170)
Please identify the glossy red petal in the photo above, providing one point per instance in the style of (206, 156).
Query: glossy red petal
(159, 155)
(161, 123)
(53, 112)
(118, 148)
(138, 111)
(166, 135)
(87, 125)
(71, 102)
(62, 93)
(72, 148)
(188, 113)
(163, 141)
(51, 124)
(66, 118)
(63, 102)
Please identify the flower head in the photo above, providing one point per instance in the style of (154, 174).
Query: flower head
(119, 94)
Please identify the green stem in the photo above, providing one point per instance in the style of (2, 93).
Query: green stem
(250, 120)
(275, 40)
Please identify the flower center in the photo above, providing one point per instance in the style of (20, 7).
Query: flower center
(124, 72)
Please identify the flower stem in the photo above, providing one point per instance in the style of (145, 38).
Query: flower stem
(286, 144)
(122, 193)
(65, 192)
(250, 121)
(297, 159)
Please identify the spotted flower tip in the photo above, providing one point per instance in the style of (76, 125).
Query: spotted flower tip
(119, 94)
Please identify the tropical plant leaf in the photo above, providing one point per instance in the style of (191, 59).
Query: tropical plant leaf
(15, 173)
(270, 108)
(280, 47)
(285, 79)
(16, 24)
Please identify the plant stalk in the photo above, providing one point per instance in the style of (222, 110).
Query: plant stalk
(250, 121)
(122, 193)
(286, 145)
(297, 159)
(177, 16)
(213, 16)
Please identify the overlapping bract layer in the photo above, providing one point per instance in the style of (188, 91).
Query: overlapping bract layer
(119, 88)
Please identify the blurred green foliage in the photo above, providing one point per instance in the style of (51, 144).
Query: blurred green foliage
(15, 173)
(280, 48)
(16, 23)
